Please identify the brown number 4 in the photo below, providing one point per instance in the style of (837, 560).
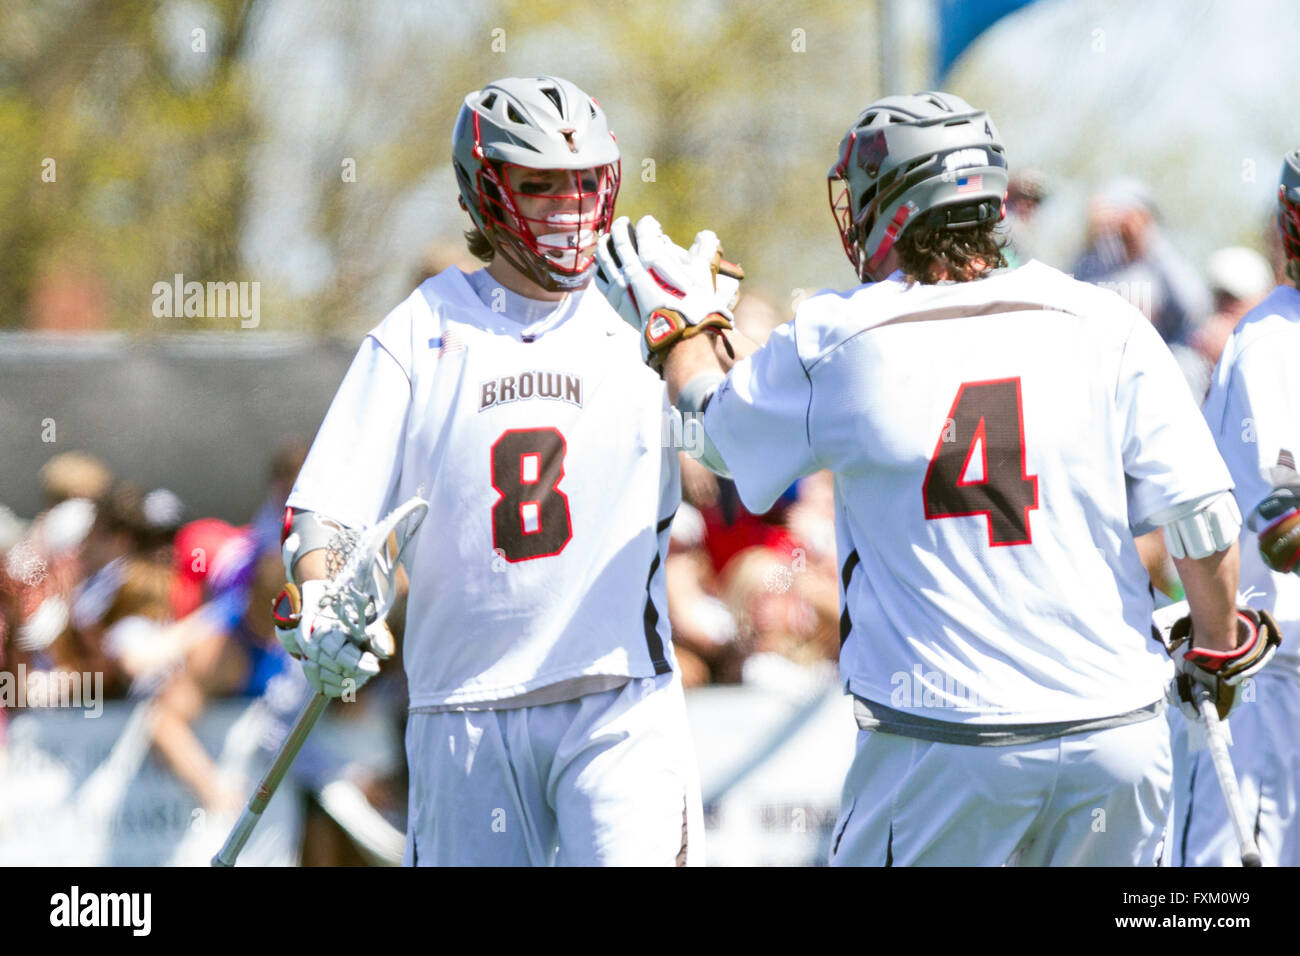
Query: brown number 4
(987, 420)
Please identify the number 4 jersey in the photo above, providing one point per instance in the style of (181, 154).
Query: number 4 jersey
(996, 444)
(540, 449)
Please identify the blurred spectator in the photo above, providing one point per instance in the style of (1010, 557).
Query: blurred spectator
(12, 529)
(196, 546)
(119, 521)
(135, 641)
(704, 630)
(731, 528)
(39, 578)
(750, 596)
(47, 565)
(775, 625)
(73, 474)
(1128, 253)
(1238, 279)
(1025, 193)
(161, 512)
(285, 465)
(226, 647)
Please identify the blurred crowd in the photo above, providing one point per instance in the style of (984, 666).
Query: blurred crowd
(111, 579)
(1127, 249)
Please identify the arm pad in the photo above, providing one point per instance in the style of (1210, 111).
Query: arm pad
(1202, 526)
(691, 402)
(306, 531)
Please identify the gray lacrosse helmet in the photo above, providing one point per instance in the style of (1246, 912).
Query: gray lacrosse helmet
(928, 158)
(540, 122)
(1288, 212)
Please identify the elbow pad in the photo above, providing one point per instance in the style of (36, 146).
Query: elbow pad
(1202, 526)
(691, 402)
(306, 531)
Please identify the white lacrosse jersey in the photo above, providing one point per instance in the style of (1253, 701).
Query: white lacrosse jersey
(996, 445)
(540, 449)
(1253, 409)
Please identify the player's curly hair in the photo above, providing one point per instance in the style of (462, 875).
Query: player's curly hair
(965, 254)
(480, 246)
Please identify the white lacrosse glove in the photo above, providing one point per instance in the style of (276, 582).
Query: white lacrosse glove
(663, 291)
(334, 661)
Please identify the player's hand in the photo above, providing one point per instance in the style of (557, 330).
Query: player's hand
(663, 291)
(334, 661)
(1221, 671)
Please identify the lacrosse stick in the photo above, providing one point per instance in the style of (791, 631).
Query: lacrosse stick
(1215, 738)
(360, 593)
(1227, 776)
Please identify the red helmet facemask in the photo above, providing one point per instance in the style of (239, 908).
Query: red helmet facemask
(550, 236)
(837, 190)
(1288, 221)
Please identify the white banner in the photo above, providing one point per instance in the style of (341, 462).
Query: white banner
(78, 792)
(771, 767)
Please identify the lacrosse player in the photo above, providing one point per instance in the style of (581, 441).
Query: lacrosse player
(547, 723)
(1253, 409)
(997, 438)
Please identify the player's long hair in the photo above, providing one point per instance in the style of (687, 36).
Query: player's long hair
(965, 254)
(480, 246)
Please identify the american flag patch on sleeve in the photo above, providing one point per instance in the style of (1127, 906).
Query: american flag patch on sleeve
(447, 342)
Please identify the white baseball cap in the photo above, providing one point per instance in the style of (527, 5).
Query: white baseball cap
(1240, 272)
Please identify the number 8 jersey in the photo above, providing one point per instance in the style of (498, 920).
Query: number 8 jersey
(538, 573)
(996, 444)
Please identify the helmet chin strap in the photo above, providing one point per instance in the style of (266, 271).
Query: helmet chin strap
(534, 268)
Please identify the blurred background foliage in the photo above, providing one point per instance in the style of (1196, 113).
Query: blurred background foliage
(124, 156)
(304, 145)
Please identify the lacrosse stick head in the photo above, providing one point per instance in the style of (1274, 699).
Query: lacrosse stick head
(363, 590)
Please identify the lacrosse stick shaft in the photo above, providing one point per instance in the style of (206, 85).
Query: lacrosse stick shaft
(257, 803)
(1227, 776)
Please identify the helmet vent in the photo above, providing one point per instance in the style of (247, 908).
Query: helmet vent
(489, 101)
(593, 110)
(552, 94)
(512, 114)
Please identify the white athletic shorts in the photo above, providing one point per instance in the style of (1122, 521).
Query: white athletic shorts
(607, 779)
(1099, 798)
(1266, 759)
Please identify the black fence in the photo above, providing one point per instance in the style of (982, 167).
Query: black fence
(200, 414)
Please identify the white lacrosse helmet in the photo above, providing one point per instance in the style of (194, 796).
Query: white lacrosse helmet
(543, 123)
